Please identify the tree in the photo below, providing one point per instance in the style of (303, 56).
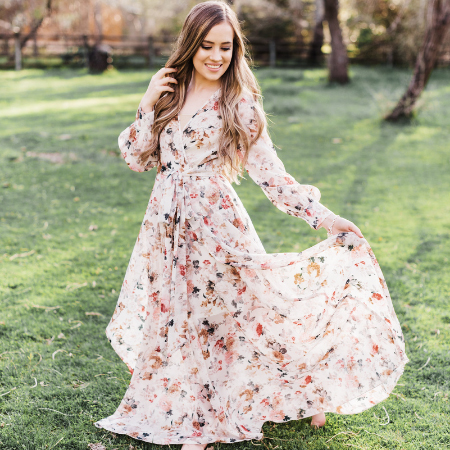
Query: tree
(315, 50)
(439, 13)
(20, 15)
(36, 23)
(338, 60)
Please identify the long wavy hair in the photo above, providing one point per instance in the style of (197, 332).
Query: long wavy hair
(235, 140)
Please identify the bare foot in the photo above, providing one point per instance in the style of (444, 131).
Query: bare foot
(318, 420)
(194, 446)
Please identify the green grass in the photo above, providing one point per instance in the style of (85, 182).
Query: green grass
(67, 232)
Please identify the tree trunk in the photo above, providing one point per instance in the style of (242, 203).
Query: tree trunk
(296, 10)
(426, 59)
(315, 51)
(34, 27)
(272, 52)
(338, 60)
(98, 20)
(17, 52)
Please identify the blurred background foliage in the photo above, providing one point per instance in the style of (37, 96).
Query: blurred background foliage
(374, 31)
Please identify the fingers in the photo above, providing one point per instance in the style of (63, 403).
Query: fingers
(167, 79)
(166, 71)
(349, 226)
(356, 230)
(161, 75)
(157, 86)
(170, 80)
(166, 86)
(162, 83)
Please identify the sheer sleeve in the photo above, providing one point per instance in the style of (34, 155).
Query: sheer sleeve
(135, 139)
(267, 170)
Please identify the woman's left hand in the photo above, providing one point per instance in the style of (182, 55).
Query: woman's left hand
(341, 225)
(345, 226)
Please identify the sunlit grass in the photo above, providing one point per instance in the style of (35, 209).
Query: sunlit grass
(67, 232)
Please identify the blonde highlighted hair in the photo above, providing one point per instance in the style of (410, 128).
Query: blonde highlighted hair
(238, 80)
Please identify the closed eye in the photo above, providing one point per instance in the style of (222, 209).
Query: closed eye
(207, 48)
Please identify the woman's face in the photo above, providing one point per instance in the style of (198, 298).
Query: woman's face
(215, 50)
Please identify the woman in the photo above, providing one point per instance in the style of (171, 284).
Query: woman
(220, 336)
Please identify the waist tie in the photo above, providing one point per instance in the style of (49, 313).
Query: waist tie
(173, 194)
(173, 209)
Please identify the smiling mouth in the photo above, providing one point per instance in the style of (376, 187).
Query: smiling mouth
(215, 66)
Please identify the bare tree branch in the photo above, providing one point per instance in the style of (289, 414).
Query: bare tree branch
(36, 24)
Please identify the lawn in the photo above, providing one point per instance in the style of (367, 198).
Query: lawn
(71, 211)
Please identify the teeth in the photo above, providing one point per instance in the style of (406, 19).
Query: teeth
(213, 67)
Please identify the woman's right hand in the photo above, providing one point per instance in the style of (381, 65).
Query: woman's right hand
(157, 86)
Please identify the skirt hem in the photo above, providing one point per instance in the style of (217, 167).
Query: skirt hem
(257, 436)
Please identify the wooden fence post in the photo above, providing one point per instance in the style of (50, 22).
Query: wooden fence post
(17, 51)
(35, 46)
(272, 53)
(390, 55)
(86, 50)
(6, 46)
(151, 52)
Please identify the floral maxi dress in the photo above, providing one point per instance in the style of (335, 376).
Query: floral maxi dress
(221, 336)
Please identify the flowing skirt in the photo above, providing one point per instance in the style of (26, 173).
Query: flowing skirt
(221, 336)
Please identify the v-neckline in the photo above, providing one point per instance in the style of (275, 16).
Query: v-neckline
(189, 121)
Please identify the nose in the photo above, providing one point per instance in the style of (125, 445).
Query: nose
(216, 56)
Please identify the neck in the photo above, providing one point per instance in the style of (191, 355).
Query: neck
(197, 86)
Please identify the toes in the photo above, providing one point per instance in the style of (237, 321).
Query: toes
(318, 421)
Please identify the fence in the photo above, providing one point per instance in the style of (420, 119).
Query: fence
(53, 50)
(127, 51)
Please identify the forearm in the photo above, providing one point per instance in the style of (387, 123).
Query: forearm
(146, 108)
(327, 221)
(146, 104)
(135, 140)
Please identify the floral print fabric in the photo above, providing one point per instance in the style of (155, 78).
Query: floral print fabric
(221, 336)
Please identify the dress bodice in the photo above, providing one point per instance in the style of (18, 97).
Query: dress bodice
(184, 120)
(194, 148)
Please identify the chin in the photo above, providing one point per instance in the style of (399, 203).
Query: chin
(213, 76)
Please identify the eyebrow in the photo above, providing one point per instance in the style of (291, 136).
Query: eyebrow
(209, 42)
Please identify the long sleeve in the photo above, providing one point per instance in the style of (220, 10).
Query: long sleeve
(267, 170)
(135, 139)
